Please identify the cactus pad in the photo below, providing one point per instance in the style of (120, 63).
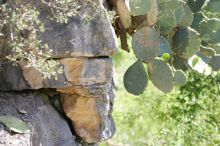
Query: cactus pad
(146, 44)
(184, 16)
(153, 14)
(207, 51)
(161, 75)
(213, 6)
(215, 62)
(186, 42)
(136, 78)
(180, 63)
(164, 46)
(167, 19)
(197, 19)
(180, 78)
(196, 5)
(140, 7)
(210, 30)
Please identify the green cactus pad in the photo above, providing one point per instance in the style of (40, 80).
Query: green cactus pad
(209, 30)
(180, 63)
(215, 62)
(207, 51)
(186, 42)
(196, 5)
(153, 14)
(136, 78)
(146, 44)
(164, 46)
(204, 58)
(197, 19)
(216, 47)
(216, 36)
(184, 16)
(180, 77)
(140, 7)
(161, 75)
(213, 6)
(167, 19)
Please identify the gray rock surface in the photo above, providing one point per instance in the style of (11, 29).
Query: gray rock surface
(81, 47)
(82, 36)
(48, 127)
(81, 76)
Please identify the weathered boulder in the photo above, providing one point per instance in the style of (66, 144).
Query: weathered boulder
(80, 76)
(91, 117)
(81, 48)
(88, 34)
(48, 126)
(79, 37)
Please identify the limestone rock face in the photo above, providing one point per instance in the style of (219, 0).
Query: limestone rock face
(91, 117)
(82, 48)
(79, 75)
(48, 127)
(82, 36)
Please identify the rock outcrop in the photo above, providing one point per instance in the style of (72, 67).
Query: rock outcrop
(48, 127)
(84, 89)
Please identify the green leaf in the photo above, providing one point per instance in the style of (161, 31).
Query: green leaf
(15, 124)
(136, 78)
(195, 61)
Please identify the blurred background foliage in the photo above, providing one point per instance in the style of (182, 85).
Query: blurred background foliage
(188, 116)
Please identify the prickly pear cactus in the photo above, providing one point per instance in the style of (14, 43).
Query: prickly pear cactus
(153, 13)
(171, 36)
(167, 20)
(184, 16)
(146, 44)
(179, 63)
(180, 77)
(197, 19)
(136, 78)
(207, 51)
(209, 30)
(215, 62)
(164, 46)
(186, 42)
(213, 6)
(161, 75)
(140, 7)
(196, 5)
